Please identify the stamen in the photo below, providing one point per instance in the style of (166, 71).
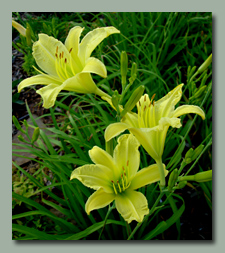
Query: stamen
(70, 50)
(114, 187)
(153, 96)
(119, 186)
(122, 182)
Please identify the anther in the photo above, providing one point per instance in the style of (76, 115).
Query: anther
(62, 54)
(127, 162)
(65, 60)
(70, 50)
(123, 168)
(145, 108)
(57, 49)
(153, 96)
(56, 55)
(153, 103)
(145, 98)
(139, 103)
(149, 104)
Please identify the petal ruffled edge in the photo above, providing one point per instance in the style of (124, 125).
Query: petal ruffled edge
(126, 155)
(132, 205)
(92, 39)
(114, 130)
(38, 79)
(94, 176)
(98, 199)
(95, 66)
(49, 94)
(147, 176)
(185, 109)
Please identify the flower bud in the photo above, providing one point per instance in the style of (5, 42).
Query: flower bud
(124, 66)
(205, 64)
(191, 155)
(134, 98)
(19, 28)
(134, 69)
(36, 134)
(20, 137)
(200, 92)
(124, 63)
(28, 36)
(172, 179)
(203, 176)
(17, 124)
(181, 184)
(115, 99)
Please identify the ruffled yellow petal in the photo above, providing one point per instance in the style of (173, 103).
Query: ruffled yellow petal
(92, 39)
(166, 104)
(114, 130)
(126, 155)
(49, 94)
(72, 41)
(80, 83)
(44, 52)
(38, 79)
(132, 205)
(146, 176)
(100, 156)
(95, 66)
(94, 176)
(98, 199)
(185, 109)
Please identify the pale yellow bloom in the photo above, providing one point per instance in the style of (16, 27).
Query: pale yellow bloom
(117, 178)
(68, 66)
(152, 121)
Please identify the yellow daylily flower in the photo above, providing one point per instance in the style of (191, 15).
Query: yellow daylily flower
(117, 177)
(152, 121)
(68, 66)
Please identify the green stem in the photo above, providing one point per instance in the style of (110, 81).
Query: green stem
(146, 217)
(102, 93)
(162, 174)
(106, 217)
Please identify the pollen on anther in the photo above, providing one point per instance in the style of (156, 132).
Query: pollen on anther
(57, 49)
(144, 98)
(153, 103)
(139, 103)
(144, 108)
(112, 181)
(56, 55)
(123, 168)
(153, 96)
(65, 60)
(70, 50)
(62, 54)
